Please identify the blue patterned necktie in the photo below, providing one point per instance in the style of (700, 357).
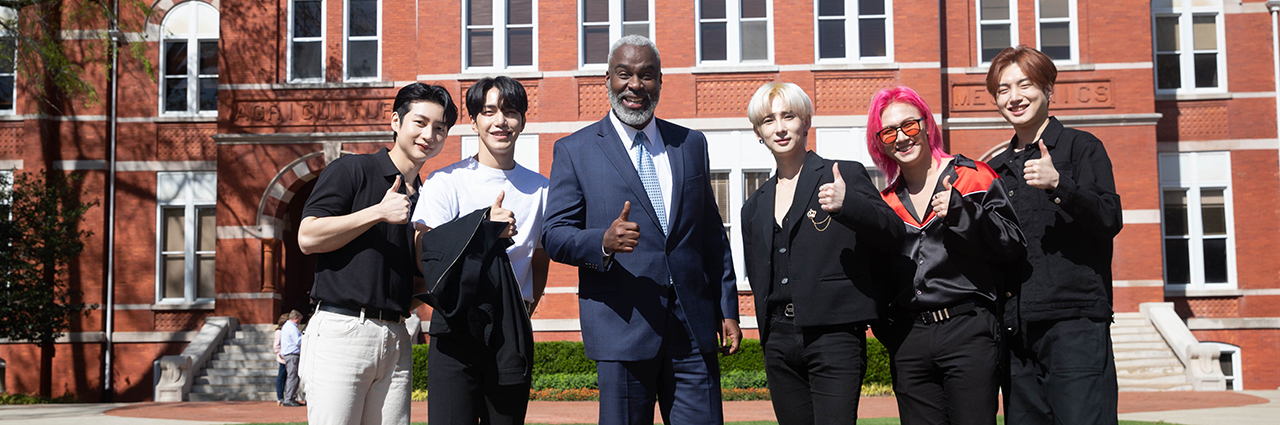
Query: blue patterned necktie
(649, 176)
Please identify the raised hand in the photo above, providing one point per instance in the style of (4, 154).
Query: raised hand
(831, 195)
(497, 213)
(394, 207)
(941, 201)
(1040, 173)
(622, 235)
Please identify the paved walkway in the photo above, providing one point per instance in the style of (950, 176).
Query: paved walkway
(1189, 408)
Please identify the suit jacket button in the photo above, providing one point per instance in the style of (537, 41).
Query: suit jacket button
(1057, 200)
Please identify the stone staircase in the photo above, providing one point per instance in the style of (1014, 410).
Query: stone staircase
(243, 369)
(1144, 361)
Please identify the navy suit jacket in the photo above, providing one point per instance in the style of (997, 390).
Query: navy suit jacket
(621, 304)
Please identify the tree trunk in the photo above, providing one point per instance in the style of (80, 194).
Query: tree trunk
(46, 369)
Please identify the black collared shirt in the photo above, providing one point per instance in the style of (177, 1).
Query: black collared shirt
(1069, 230)
(954, 260)
(780, 292)
(377, 268)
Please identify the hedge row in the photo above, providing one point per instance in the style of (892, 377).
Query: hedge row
(564, 365)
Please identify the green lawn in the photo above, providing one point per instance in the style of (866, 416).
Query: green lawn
(868, 421)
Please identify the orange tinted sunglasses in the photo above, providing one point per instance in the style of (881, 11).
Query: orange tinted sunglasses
(911, 128)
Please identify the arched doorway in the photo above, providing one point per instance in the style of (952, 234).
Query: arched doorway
(297, 272)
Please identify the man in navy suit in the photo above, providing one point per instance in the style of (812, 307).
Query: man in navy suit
(630, 204)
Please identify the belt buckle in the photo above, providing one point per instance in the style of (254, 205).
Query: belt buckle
(789, 310)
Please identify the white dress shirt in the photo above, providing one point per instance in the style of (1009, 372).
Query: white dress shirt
(657, 149)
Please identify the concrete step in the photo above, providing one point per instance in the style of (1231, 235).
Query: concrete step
(251, 340)
(234, 388)
(1156, 387)
(1139, 345)
(1134, 330)
(1151, 370)
(244, 364)
(255, 348)
(1144, 354)
(1152, 378)
(1140, 363)
(240, 372)
(245, 356)
(252, 396)
(1125, 323)
(1139, 337)
(235, 380)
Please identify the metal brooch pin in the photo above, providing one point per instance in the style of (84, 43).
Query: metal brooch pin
(812, 214)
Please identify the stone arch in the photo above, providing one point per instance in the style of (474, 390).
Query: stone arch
(151, 29)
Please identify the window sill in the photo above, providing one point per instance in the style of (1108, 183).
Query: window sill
(1202, 292)
(198, 305)
(186, 118)
(732, 69)
(1195, 96)
(493, 73)
(10, 116)
(348, 85)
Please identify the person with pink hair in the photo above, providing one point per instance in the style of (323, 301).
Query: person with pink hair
(943, 326)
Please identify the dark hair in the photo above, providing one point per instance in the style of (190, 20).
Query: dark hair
(418, 92)
(1038, 67)
(511, 95)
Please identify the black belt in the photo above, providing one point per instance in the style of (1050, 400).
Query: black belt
(368, 313)
(945, 314)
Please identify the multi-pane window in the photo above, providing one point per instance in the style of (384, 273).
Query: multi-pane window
(498, 34)
(733, 31)
(739, 164)
(604, 21)
(1229, 361)
(363, 29)
(852, 29)
(996, 29)
(8, 63)
(1199, 248)
(189, 59)
(1056, 28)
(1189, 45)
(186, 236)
(306, 41)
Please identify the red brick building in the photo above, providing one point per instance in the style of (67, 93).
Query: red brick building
(216, 155)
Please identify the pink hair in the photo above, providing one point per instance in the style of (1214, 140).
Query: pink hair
(882, 100)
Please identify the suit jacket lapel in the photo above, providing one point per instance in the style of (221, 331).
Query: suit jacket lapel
(763, 222)
(675, 156)
(610, 142)
(806, 191)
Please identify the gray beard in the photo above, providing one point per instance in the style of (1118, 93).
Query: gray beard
(629, 116)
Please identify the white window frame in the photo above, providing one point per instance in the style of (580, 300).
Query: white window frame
(10, 15)
(193, 39)
(737, 152)
(1073, 30)
(1186, 43)
(852, 34)
(1012, 22)
(347, 38)
(1186, 176)
(500, 56)
(527, 149)
(733, 34)
(1237, 371)
(615, 29)
(189, 199)
(324, 24)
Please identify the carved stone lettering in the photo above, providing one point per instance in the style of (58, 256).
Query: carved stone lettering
(310, 113)
(1093, 94)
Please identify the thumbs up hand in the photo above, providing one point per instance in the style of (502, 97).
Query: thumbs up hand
(831, 195)
(941, 201)
(394, 207)
(497, 213)
(1040, 173)
(622, 235)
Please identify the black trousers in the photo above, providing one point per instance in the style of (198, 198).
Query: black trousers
(1062, 372)
(946, 372)
(463, 378)
(815, 373)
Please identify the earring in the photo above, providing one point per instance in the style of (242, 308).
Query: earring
(761, 141)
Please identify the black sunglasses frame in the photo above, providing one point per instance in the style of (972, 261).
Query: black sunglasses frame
(896, 129)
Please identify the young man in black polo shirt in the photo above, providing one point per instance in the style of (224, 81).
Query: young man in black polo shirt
(356, 357)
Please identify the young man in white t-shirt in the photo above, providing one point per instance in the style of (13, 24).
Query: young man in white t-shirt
(462, 371)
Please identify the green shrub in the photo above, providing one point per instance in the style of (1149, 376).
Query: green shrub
(420, 367)
(6, 398)
(750, 358)
(551, 357)
(738, 379)
(877, 364)
(565, 381)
